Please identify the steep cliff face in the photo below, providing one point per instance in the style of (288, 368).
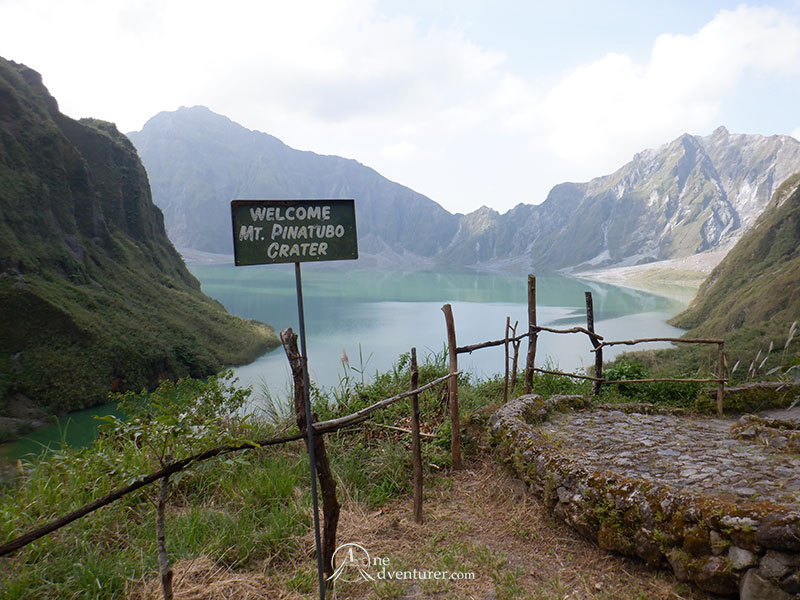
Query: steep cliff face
(93, 296)
(199, 161)
(691, 195)
(754, 293)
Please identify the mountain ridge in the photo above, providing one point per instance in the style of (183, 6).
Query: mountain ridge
(687, 196)
(751, 299)
(211, 183)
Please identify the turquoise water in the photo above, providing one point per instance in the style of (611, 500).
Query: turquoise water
(375, 316)
(76, 429)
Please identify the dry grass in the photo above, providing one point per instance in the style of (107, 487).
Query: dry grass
(477, 520)
(201, 579)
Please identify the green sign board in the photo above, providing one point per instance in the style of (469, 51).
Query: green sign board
(293, 231)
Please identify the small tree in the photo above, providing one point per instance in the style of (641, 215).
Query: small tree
(180, 419)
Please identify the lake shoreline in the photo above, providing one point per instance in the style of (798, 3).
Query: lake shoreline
(375, 316)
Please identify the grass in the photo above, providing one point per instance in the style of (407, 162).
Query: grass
(248, 509)
(246, 520)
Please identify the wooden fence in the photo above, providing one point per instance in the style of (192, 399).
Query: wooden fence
(330, 503)
(330, 506)
(597, 341)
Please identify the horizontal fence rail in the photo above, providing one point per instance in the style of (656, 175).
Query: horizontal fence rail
(598, 343)
(324, 427)
(321, 427)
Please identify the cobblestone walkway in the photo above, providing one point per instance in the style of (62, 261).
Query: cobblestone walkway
(695, 454)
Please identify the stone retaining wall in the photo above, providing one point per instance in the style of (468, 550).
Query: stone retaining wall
(750, 549)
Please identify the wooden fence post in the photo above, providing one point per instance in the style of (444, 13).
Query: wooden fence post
(415, 444)
(505, 379)
(532, 334)
(721, 376)
(455, 432)
(330, 504)
(598, 351)
(164, 568)
(515, 361)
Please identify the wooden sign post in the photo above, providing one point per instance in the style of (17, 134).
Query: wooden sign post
(294, 231)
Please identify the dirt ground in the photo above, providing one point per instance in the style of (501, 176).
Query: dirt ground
(480, 527)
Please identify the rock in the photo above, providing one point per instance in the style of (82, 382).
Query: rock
(738, 523)
(564, 495)
(741, 558)
(518, 488)
(774, 565)
(718, 543)
(779, 442)
(791, 583)
(755, 587)
(715, 576)
(679, 561)
(780, 532)
(747, 433)
(646, 548)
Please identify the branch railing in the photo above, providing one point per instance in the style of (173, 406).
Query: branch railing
(320, 428)
(324, 427)
(597, 341)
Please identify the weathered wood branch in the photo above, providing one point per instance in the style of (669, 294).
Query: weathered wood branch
(664, 339)
(416, 450)
(469, 349)
(664, 380)
(573, 375)
(598, 357)
(327, 483)
(472, 347)
(171, 468)
(591, 334)
(360, 415)
(452, 386)
(164, 569)
(533, 334)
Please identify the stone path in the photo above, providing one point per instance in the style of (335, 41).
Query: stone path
(694, 454)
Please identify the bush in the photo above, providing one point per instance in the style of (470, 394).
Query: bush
(671, 393)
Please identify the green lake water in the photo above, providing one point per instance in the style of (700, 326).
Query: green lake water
(374, 316)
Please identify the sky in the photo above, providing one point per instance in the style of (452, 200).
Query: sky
(470, 102)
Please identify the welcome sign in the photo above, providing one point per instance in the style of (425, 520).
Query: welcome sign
(292, 231)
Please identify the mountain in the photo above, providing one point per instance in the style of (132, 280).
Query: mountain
(691, 195)
(753, 296)
(93, 296)
(198, 161)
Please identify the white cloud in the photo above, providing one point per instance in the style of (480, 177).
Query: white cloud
(425, 106)
(615, 106)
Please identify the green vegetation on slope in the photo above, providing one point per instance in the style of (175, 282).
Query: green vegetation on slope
(93, 296)
(752, 297)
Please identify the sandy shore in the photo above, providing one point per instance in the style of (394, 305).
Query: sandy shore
(677, 277)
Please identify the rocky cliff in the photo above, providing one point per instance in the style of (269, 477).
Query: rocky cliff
(93, 296)
(752, 297)
(691, 195)
(199, 161)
